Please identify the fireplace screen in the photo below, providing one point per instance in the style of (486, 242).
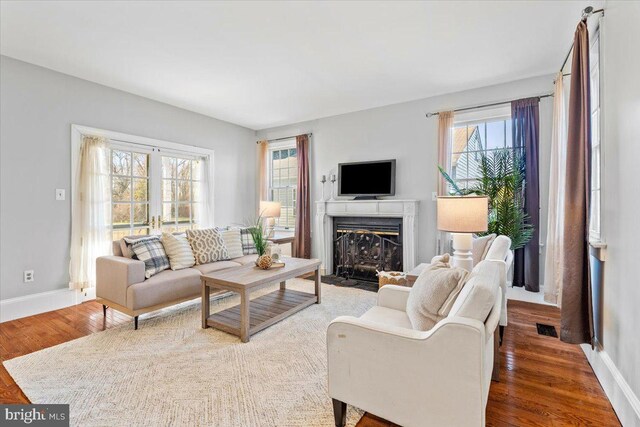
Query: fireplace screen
(364, 245)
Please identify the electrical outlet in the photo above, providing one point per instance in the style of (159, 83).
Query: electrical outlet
(60, 194)
(28, 276)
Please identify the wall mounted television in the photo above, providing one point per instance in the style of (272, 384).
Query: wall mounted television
(367, 180)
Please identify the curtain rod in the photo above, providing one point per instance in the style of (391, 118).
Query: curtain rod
(586, 12)
(284, 137)
(486, 105)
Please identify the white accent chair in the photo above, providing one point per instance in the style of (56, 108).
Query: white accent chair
(500, 250)
(440, 377)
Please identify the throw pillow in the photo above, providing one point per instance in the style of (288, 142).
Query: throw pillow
(434, 293)
(152, 253)
(207, 245)
(126, 242)
(178, 250)
(480, 247)
(233, 242)
(248, 246)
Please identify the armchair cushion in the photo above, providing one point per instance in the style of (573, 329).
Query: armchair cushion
(433, 294)
(480, 247)
(479, 293)
(387, 316)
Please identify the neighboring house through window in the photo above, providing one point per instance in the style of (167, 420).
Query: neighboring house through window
(283, 180)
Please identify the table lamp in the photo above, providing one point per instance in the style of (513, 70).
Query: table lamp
(270, 211)
(462, 216)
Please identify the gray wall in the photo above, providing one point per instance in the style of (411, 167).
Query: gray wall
(620, 190)
(37, 108)
(403, 132)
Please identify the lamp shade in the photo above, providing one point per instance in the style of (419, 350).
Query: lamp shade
(269, 209)
(463, 214)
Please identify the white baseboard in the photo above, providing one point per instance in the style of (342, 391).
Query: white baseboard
(622, 398)
(28, 305)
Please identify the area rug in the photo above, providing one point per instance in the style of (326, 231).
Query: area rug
(173, 372)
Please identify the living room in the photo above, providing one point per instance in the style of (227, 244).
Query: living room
(319, 213)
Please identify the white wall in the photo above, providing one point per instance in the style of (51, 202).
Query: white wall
(618, 366)
(37, 108)
(403, 132)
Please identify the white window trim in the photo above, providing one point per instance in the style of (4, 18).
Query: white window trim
(597, 240)
(145, 143)
(275, 146)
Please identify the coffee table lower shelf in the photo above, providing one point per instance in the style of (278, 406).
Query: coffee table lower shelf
(263, 311)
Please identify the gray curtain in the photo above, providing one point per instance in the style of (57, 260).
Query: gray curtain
(526, 133)
(576, 324)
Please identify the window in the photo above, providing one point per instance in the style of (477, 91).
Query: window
(181, 180)
(283, 181)
(129, 193)
(471, 139)
(596, 157)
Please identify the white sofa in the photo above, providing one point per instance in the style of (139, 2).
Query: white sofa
(440, 377)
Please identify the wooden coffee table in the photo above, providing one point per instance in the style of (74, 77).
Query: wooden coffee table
(249, 317)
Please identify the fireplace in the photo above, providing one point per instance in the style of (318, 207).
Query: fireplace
(362, 245)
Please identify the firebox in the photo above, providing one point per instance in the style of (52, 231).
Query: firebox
(363, 245)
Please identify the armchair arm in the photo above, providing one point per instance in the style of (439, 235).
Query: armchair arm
(409, 376)
(393, 296)
(114, 274)
(504, 267)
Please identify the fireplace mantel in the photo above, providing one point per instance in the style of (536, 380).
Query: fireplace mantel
(390, 208)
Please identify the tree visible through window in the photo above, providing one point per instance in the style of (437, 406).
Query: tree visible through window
(470, 141)
(283, 183)
(129, 193)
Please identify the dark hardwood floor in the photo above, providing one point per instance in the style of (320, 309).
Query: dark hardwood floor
(542, 380)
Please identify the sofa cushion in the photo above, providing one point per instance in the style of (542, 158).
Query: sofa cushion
(151, 252)
(233, 242)
(178, 250)
(499, 248)
(207, 245)
(480, 247)
(479, 293)
(434, 293)
(246, 259)
(387, 316)
(164, 287)
(215, 266)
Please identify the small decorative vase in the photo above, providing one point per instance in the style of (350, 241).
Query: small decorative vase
(264, 262)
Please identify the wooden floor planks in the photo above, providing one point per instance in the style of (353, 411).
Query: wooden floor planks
(543, 381)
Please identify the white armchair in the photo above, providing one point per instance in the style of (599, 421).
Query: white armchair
(440, 377)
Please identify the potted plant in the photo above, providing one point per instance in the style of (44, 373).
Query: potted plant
(259, 236)
(502, 181)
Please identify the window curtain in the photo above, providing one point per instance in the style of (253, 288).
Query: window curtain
(91, 212)
(445, 137)
(576, 325)
(553, 257)
(526, 133)
(263, 168)
(302, 240)
(206, 190)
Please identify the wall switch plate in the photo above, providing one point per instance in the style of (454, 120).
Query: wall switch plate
(434, 196)
(60, 194)
(28, 276)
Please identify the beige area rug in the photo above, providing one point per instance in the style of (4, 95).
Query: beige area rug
(172, 372)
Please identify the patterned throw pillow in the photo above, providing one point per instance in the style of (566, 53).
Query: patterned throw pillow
(207, 245)
(152, 253)
(232, 241)
(248, 247)
(178, 250)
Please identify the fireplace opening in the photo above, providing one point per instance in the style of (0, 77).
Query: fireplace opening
(365, 245)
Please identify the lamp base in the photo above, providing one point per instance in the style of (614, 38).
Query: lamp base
(462, 246)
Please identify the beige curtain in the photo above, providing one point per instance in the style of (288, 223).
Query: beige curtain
(91, 212)
(554, 252)
(576, 326)
(263, 179)
(445, 136)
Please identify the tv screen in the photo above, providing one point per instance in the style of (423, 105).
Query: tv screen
(376, 178)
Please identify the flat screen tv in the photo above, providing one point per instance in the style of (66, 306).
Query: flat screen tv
(367, 180)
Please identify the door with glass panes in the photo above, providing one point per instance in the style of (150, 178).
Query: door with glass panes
(153, 190)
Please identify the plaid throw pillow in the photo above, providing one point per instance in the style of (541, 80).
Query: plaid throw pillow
(152, 253)
(248, 247)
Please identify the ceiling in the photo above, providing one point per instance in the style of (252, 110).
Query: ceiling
(263, 64)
